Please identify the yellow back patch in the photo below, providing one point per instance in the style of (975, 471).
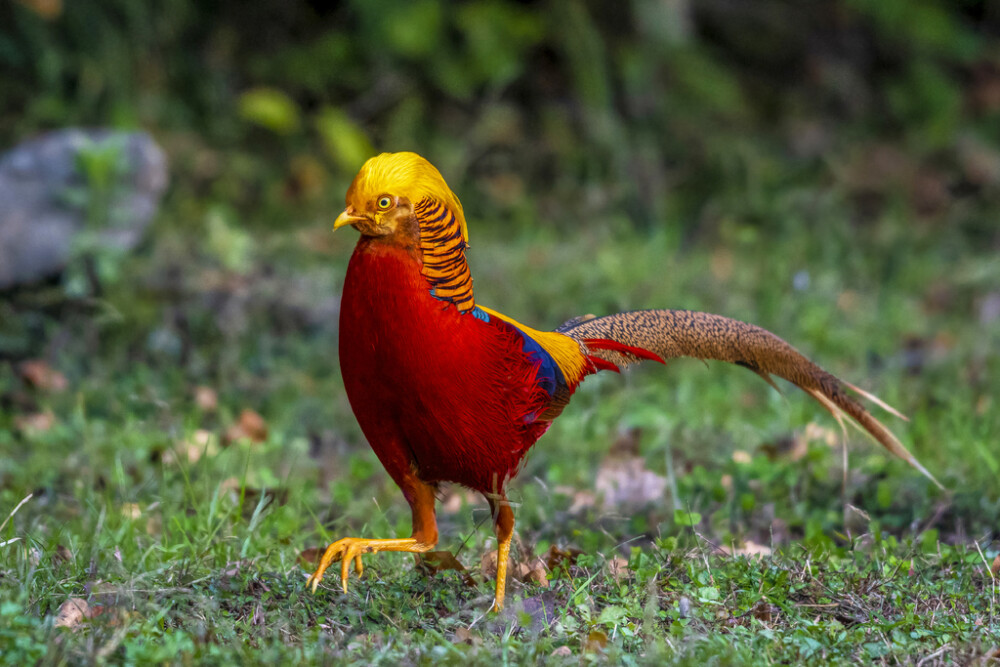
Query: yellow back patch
(564, 350)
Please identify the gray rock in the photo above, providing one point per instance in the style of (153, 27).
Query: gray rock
(54, 188)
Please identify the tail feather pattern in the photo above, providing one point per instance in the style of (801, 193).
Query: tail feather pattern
(627, 338)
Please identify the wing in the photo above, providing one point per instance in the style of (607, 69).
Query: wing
(626, 338)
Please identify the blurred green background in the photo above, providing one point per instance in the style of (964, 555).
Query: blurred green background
(829, 170)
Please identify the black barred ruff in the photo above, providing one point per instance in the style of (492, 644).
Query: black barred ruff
(443, 251)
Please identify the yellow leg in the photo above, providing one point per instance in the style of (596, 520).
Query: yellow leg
(351, 548)
(504, 526)
(421, 499)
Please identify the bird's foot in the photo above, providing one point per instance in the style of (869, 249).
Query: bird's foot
(350, 549)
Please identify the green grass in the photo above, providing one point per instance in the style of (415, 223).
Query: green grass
(188, 553)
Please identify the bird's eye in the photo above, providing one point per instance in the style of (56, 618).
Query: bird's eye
(384, 203)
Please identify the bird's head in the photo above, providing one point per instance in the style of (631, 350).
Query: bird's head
(382, 199)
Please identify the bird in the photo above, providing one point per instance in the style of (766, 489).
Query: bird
(447, 390)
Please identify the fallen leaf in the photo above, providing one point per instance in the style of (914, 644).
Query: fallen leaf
(618, 567)
(740, 456)
(556, 557)
(596, 642)
(433, 562)
(488, 564)
(41, 376)
(250, 426)
(995, 569)
(72, 612)
(200, 443)
(36, 422)
(233, 568)
(206, 398)
(764, 611)
(466, 636)
(751, 548)
(309, 558)
(532, 570)
(828, 436)
(562, 652)
(61, 555)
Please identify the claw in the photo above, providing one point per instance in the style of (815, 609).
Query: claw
(350, 549)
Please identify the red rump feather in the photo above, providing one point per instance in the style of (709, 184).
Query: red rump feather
(615, 346)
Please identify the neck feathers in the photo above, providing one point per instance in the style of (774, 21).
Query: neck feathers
(443, 247)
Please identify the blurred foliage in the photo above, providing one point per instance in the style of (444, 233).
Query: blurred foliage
(688, 115)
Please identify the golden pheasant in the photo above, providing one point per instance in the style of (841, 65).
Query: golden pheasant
(446, 390)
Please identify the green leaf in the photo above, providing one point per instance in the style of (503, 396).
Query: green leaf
(612, 615)
(708, 594)
(270, 108)
(685, 518)
(344, 141)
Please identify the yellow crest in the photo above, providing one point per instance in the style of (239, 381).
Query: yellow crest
(404, 175)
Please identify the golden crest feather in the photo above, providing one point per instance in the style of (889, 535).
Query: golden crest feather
(406, 175)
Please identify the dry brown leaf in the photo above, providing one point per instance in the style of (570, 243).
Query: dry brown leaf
(250, 426)
(750, 548)
(556, 557)
(201, 443)
(596, 642)
(41, 376)
(995, 569)
(433, 562)
(763, 611)
(532, 570)
(206, 398)
(36, 422)
(625, 483)
(466, 636)
(72, 612)
(488, 564)
(562, 652)
(61, 555)
(309, 558)
(618, 567)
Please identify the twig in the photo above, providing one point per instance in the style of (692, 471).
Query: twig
(14, 511)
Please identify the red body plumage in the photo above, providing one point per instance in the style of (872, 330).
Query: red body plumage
(442, 394)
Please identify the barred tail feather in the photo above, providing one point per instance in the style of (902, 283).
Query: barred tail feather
(627, 338)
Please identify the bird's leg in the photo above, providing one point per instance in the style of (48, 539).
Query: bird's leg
(503, 524)
(424, 537)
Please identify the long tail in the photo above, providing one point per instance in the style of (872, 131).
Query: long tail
(618, 340)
